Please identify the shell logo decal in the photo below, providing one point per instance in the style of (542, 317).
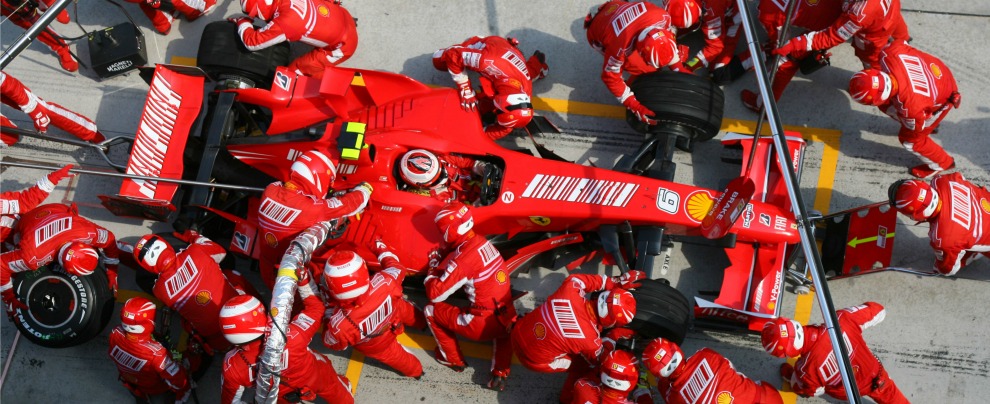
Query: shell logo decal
(698, 204)
(271, 240)
(274, 312)
(323, 10)
(985, 205)
(540, 331)
(936, 71)
(203, 297)
(42, 214)
(501, 277)
(724, 397)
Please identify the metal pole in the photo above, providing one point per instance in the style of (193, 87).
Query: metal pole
(136, 177)
(797, 205)
(33, 32)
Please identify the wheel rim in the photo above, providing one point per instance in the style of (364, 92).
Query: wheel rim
(52, 302)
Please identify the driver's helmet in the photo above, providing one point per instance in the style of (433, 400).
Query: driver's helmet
(153, 253)
(137, 317)
(313, 172)
(243, 319)
(915, 199)
(263, 9)
(346, 274)
(662, 357)
(870, 87)
(619, 371)
(782, 337)
(78, 258)
(455, 222)
(422, 169)
(684, 14)
(616, 308)
(514, 110)
(658, 47)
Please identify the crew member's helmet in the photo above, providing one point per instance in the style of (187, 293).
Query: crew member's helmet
(684, 14)
(870, 87)
(243, 319)
(783, 337)
(616, 308)
(657, 47)
(346, 274)
(915, 199)
(137, 317)
(454, 221)
(662, 357)
(153, 253)
(78, 258)
(263, 9)
(313, 172)
(514, 110)
(619, 371)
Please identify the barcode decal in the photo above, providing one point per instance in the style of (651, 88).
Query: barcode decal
(183, 276)
(698, 383)
(370, 324)
(126, 360)
(563, 314)
(278, 212)
(46, 232)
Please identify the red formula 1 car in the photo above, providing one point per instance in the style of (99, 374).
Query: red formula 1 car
(223, 123)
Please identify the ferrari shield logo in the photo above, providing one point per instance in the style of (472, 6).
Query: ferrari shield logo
(540, 220)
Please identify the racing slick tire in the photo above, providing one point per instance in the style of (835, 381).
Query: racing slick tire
(221, 53)
(64, 310)
(686, 99)
(661, 311)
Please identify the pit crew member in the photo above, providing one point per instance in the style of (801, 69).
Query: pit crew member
(962, 233)
(162, 17)
(446, 178)
(870, 23)
(325, 25)
(711, 377)
(506, 79)
(307, 374)
(145, 366)
(816, 372)
(57, 232)
(634, 37)
(43, 113)
(370, 314)
(12, 203)
(563, 334)
(916, 89)
(287, 208)
(190, 282)
(720, 26)
(24, 13)
(475, 266)
(617, 377)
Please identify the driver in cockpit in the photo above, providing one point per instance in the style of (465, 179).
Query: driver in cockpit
(447, 177)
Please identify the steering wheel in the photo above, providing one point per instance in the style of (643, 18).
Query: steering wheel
(491, 184)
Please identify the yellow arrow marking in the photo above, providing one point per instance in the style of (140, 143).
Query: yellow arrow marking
(857, 241)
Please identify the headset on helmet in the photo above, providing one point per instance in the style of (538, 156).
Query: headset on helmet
(782, 337)
(264, 9)
(314, 172)
(138, 316)
(662, 357)
(78, 258)
(153, 253)
(422, 169)
(454, 221)
(657, 47)
(684, 14)
(619, 371)
(346, 275)
(915, 199)
(870, 87)
(514, 110)
(243, 319)
(616, 308)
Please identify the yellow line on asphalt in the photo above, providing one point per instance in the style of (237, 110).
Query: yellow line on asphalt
(182, 60)
(354, 367)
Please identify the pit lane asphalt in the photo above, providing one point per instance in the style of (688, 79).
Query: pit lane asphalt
(931, 341)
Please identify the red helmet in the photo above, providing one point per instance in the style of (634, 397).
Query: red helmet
(514, 110)
(423, 169)
(619, 371)
(870, 87)
(684, 14)
(153, 253)
(616, 308)
(783, 337)
(657, 47)
(314, 172)
(138, 316)
(346, 275)
(78, 258)
(662, 357)
(915, 199)
(264, 9)
(243, 319)
(455, 221)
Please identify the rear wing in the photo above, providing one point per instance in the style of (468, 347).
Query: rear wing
(171, 109)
